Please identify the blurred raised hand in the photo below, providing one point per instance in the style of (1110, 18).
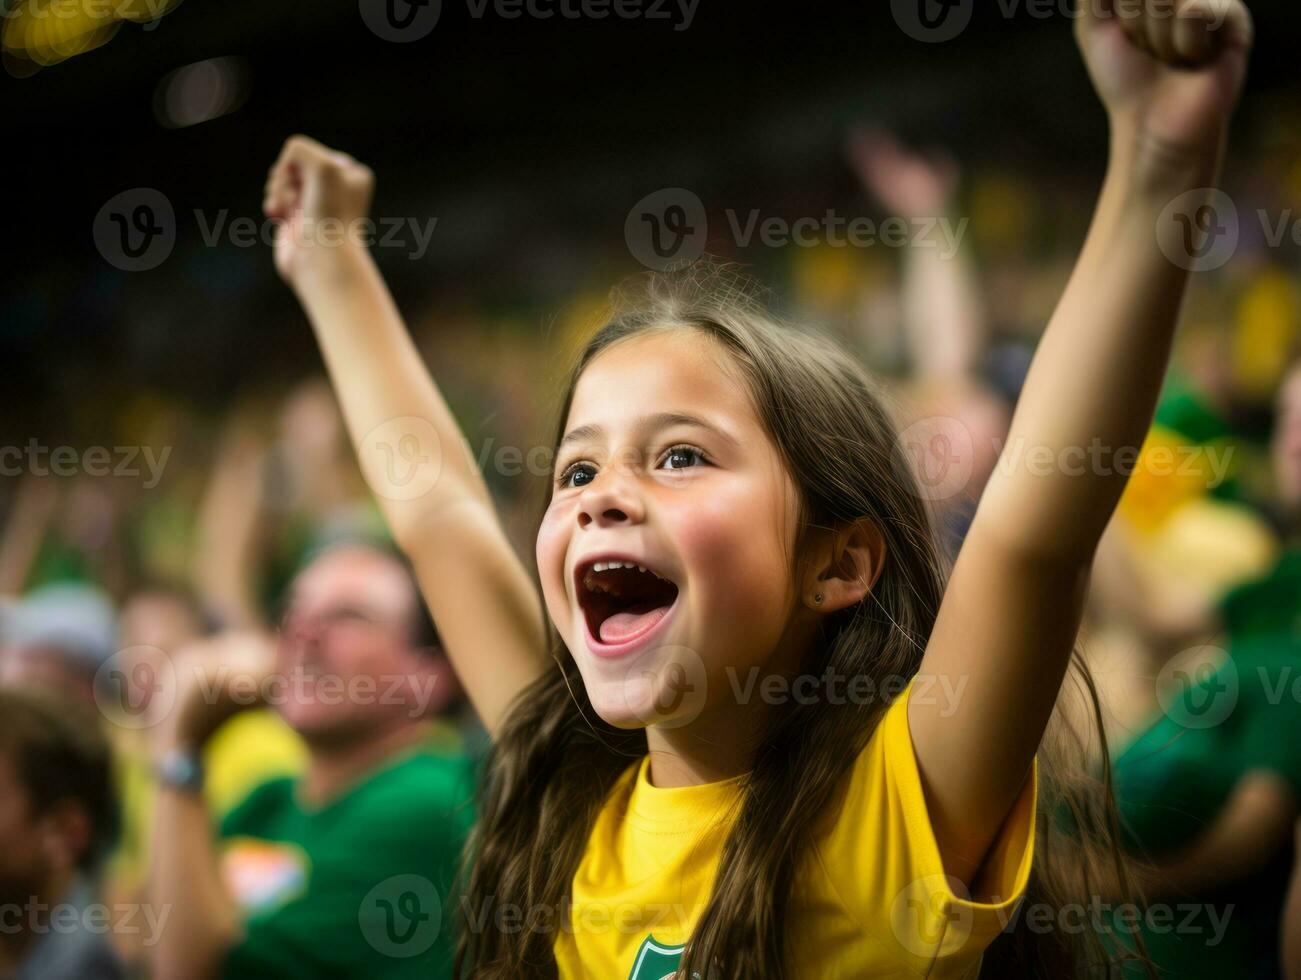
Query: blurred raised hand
(909, 184)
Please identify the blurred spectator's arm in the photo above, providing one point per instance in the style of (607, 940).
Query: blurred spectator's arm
(225, 563)
(1245, 837)
(33, 505)
(943, 311)
(203, 922)
(480, 595)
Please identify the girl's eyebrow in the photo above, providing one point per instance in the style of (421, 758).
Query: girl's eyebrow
(650, 423)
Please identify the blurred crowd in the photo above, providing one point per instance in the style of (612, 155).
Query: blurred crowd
(247, 540)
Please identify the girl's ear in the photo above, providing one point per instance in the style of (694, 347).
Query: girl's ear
(844, 566)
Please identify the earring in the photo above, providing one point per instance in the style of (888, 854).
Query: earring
(818, 598)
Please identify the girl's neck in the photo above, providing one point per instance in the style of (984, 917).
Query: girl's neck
(714, 747)
(722, 741)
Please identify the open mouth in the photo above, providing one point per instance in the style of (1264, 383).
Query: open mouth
(621, 599)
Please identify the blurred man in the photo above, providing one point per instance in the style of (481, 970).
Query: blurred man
(344, 871)
(1211, 792)
(56, 817)
(57, 637)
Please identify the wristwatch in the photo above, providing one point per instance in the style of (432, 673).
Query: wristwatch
(181, 769)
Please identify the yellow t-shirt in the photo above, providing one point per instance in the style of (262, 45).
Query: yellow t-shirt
(873, 900)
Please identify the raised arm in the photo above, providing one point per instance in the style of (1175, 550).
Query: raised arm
(1012, 609)
(411, 450)
(943, 309)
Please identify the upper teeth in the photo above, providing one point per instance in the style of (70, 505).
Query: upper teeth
(601, 566)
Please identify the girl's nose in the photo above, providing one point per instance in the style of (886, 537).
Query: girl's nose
(609, 502)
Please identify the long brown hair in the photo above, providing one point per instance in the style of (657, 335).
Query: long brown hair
(555, 762)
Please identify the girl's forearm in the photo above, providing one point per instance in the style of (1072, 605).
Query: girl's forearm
(395, 414)
(1092, 388)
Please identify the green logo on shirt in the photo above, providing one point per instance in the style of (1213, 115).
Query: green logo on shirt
(655, 961)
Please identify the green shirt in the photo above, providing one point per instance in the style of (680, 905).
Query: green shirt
(358, 888)
(1174, 779)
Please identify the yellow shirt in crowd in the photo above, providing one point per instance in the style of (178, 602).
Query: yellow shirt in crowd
(872, 901)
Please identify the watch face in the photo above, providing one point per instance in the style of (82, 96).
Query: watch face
(180, 768)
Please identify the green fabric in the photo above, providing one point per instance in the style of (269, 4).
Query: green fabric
(1268, 607)
(1173, 780)
(1184, 411)
(360, 888)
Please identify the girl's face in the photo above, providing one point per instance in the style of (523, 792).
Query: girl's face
(665, 466)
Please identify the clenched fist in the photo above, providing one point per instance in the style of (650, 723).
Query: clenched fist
(320, 199)
(1169, 71)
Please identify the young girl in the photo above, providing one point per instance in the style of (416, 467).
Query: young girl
(768, 740)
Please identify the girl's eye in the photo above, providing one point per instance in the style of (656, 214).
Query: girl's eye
(577, 475)
(681, 457)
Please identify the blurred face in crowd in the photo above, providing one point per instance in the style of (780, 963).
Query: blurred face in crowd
(1287, 443)
(38, 848)
(347, 661)
(158, 619)
(50, 669)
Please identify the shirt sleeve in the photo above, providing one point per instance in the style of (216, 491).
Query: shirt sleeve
(884, 862)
